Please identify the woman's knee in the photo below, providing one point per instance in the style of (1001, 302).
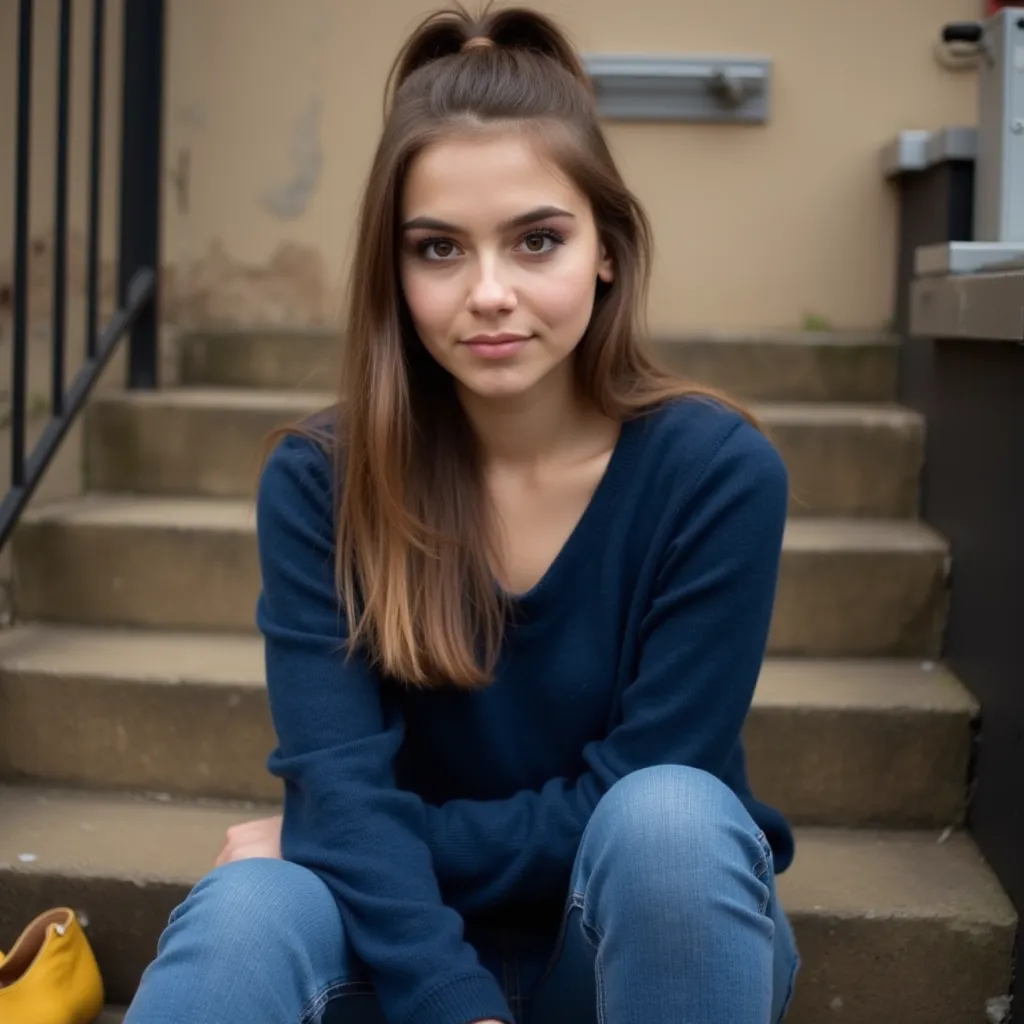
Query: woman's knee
(671, 827)
(247, 905)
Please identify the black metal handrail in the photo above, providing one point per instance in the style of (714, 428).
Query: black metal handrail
(138, 276)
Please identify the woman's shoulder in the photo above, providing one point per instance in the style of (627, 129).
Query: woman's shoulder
(690, 434)
(705, 459)
(297, 478)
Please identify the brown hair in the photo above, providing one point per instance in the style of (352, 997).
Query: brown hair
(415, 543)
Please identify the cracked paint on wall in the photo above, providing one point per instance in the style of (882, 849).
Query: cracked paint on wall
(289, 199)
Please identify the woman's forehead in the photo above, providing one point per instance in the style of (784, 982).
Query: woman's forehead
(485, 179)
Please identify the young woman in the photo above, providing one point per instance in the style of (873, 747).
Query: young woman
(516, 595)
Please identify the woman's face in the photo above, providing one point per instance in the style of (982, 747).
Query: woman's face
(500, 259)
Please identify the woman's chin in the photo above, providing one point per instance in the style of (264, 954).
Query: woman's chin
(498, 383)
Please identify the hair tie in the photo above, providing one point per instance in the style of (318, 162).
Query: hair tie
(478, 42)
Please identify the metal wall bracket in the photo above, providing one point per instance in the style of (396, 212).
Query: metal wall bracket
(917, 150)
(635, 87)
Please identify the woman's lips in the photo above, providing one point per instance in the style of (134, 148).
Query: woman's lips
(499, 346)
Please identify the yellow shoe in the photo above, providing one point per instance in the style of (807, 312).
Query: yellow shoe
(50, 976)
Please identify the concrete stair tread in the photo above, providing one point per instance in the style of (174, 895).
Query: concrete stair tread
(157, 657)
(285, 400)
(754, 364)
(874, 743)
(837, 414)
(218, 659)
(861, 535)
(848, 587)
(141, 511)
(810, 339)
(236, 514)
(290, 401)
(868, 873)
(845, 459)
(837, 871)
(858, 684)
(891, 924)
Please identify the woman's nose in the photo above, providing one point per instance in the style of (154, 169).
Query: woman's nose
(491, 292)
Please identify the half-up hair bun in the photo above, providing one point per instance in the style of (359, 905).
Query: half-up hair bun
(440, 34)
(520, 28)
(454, 30)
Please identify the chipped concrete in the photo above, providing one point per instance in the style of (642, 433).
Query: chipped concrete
(997, 1010)
(292, 286)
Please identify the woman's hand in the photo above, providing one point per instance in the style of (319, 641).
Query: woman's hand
(252, 839)
(262, 838)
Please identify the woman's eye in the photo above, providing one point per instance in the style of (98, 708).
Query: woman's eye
(539, 243)
(437, 249)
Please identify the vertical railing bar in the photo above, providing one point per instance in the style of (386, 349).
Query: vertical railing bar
(92, 266)
(142, 128)
(21, 201)
(60, 219)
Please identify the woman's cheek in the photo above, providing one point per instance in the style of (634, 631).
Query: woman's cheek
(428, 303)
(566, 294)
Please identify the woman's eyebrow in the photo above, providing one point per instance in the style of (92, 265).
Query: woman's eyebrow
(519, 221)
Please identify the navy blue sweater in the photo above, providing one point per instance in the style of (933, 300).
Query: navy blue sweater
(425, 811)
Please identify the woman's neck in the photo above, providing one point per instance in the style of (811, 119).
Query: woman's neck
(549, 423)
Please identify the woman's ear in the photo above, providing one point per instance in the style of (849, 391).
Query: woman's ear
(605, 267)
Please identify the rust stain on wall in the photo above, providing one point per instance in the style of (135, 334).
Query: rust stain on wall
(290, 288)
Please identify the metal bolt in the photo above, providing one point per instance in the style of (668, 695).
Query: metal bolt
(1018, 126)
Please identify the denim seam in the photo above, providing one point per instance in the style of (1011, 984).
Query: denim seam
(592, 934)
(573, 902)
(790, 990)
(762, 867)
(315, 1005)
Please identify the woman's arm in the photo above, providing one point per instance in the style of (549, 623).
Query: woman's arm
(702, 644)
(344, 817)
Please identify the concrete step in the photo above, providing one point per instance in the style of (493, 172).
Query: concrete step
(848, 460)
(848, 586)
(782, 366)
(191, 442)
(860, 588)
(829, 742)
(891, 926)
(843, 459)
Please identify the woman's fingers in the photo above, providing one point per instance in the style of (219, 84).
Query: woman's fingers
(261, 838)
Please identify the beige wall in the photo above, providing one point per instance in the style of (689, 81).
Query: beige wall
(274, 110)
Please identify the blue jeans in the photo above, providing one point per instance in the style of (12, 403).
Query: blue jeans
(671, 916)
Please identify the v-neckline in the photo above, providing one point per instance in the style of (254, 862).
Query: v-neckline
(595, 513)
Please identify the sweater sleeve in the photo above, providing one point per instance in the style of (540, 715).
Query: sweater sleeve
(344, 817)
(701, 645)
